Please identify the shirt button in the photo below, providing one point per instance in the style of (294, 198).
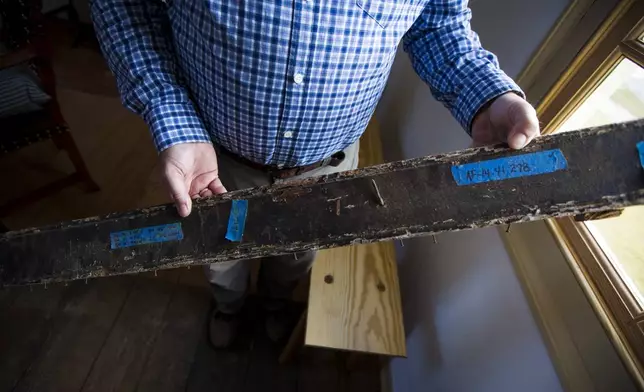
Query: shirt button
(298, 78)
(288, 134)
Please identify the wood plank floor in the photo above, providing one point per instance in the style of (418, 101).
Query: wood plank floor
(147, 333)
(130, 333)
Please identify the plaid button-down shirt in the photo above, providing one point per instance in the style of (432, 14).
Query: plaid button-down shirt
(286, 82)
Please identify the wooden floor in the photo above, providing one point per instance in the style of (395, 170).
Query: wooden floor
(143, 332)
(147, 333)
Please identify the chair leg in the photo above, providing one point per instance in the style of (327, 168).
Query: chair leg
(64, 141)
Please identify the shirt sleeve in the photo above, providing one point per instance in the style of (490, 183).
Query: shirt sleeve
(448, 56)
(136, 40)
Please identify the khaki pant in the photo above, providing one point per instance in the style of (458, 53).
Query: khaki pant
(278, 275)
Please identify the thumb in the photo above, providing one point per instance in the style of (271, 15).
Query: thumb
(525, 125)
(178, 191)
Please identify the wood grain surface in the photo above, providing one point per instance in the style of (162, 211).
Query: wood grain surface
(121, 362)
(361, 309)
(24, 328)
(167, 368)
(78, 334)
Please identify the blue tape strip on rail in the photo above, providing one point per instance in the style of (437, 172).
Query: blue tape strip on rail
(237, 220)
(146, 235)
(640, 148)
(511, 167)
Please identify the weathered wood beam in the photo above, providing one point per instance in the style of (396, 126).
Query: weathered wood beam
(585, 171)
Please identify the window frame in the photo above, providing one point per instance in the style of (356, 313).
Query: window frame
(617, 38)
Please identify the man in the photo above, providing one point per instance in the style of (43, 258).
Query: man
(277, 90)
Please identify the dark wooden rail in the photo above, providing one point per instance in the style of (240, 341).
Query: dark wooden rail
(568, 174)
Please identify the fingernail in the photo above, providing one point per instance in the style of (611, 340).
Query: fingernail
(520, 140)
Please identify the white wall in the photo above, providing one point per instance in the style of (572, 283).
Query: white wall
(469, 325)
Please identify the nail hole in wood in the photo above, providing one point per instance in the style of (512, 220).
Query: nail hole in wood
(328, 279)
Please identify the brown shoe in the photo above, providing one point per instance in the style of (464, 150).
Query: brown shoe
(222, 329)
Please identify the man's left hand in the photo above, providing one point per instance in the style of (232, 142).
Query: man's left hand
(508, 119)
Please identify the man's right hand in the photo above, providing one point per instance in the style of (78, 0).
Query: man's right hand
(190, 171)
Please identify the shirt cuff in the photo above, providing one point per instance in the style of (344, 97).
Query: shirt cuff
(174, 123)
(479, 92)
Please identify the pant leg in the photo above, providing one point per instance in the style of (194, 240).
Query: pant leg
(229, 280)
(279, 275)
(228, 284)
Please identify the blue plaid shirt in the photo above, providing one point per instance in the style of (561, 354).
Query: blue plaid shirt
(286, 82)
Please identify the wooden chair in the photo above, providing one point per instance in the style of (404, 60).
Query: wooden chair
(24, 36)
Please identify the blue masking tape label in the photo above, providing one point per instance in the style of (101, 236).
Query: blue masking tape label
(500, 169)
(237, 220)
(146, 235)
(640, 148)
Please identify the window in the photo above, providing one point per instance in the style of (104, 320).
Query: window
(605, 84)
(619, 97)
